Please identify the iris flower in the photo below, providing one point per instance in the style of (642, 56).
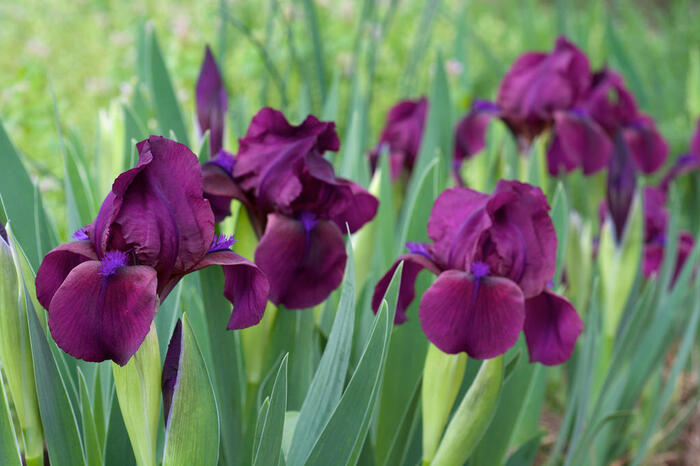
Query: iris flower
(402, 134)
(102, 291)
(586, 112)
(297, 205)
(494, 256)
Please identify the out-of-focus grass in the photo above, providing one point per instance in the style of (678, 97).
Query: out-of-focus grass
(85, 52)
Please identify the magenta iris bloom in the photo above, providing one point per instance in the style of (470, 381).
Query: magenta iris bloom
(103, 290)
(494, 256)
(212, 102)
(585, 111)
(402, 134)
(297, 205)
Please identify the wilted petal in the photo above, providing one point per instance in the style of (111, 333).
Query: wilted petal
(578, 142)
(684, 164)
(621, 185)
(361, 207)
(551, 327)
(212, 102)
(304, 261)
(412, 265)
(646, 145)
(95, 317)
(56, 266)
(480, 316)
(171, 366)
(522, 242)
(245, 286)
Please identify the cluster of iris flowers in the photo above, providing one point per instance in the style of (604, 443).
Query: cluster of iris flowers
(494, 254)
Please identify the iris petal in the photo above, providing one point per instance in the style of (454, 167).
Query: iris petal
(412, 265)
(482, 317)
(56, 266)
(551, 327)
(212, 102)
(96, 318)
(303, 267)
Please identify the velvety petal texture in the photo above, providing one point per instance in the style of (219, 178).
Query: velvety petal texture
(212, 102)
(56, 266)
(480, 316)
(402, 134)
(646, 145)
(95, 317)
(412, 265)
(578, 142)
(539, 84)
(470, 132)
(551, 328)
(304, 261)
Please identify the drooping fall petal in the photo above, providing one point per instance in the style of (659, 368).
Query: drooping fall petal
(412, 265)
(361, 207)
(646, 145)
(578, 142)
(480, 316)
(470, 132)
(96, 317)
(245, 286)
(56, 266)
(212, 102)
(551, 327)
(304, 261)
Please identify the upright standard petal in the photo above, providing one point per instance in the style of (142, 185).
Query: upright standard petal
(456, 222)
(538, 84)
(245, 286)
(96, 317)
(551, 327)
(609, 102)
(481, 316)
(158, 210)
(212, 102)
(522, 243)
(56, 266)
(304, 261)
(412, 265)
(274, 147)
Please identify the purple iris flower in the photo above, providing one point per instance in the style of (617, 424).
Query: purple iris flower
(297, 205)
(494, 256)
(103, 290)
(402, 133)
(212, 102)
(585, 111)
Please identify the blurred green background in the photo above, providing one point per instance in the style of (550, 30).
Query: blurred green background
(84, 53)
